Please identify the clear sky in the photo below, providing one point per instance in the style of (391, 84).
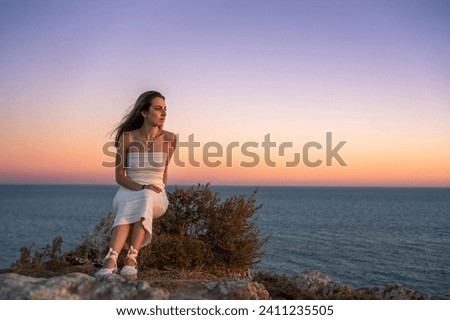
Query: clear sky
(375, 74)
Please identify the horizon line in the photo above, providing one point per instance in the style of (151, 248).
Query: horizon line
(230, 185)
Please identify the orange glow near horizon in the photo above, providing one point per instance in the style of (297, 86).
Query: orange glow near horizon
(82, 163)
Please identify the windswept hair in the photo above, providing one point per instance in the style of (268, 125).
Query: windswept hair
(133, 119)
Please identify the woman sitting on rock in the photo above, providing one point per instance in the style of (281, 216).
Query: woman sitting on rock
(144, 151)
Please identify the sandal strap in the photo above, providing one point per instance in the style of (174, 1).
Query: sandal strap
(132, 254)
(111, 255)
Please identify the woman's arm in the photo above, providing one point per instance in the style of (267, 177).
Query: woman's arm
(172, 146)
(121, 156)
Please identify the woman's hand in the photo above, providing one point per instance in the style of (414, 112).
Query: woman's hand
(153, 188)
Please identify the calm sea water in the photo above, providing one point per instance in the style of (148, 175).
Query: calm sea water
(359, 236)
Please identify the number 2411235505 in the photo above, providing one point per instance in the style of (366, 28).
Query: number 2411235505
(296, 310)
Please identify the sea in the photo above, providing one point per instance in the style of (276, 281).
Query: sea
(360, 236)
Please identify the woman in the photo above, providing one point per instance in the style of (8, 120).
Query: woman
(144, 150)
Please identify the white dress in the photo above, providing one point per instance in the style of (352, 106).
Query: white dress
(132, 206)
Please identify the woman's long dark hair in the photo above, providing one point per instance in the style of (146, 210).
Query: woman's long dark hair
(133, 119)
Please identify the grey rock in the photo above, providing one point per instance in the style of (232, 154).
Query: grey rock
(97, 240)
(322, 285)
(84, 287)
(396, 292)
(74, 286)
(223, 289)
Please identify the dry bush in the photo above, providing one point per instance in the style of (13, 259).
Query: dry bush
(49, 258)
(201, 232)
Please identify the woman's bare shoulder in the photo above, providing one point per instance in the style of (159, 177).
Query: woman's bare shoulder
(168, 136)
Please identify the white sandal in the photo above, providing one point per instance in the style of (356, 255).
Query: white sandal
(106, 272)
(130, 272)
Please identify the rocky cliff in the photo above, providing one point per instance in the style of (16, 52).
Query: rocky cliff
(306, 285)
(83, 286)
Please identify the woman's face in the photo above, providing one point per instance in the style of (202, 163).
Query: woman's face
(157, 112)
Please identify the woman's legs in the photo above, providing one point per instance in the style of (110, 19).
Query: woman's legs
(118, 237)
(137, 239)
(129, 271)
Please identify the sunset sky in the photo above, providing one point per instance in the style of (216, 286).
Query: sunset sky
(375, 74)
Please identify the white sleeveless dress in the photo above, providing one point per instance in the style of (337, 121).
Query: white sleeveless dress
(132, 206)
